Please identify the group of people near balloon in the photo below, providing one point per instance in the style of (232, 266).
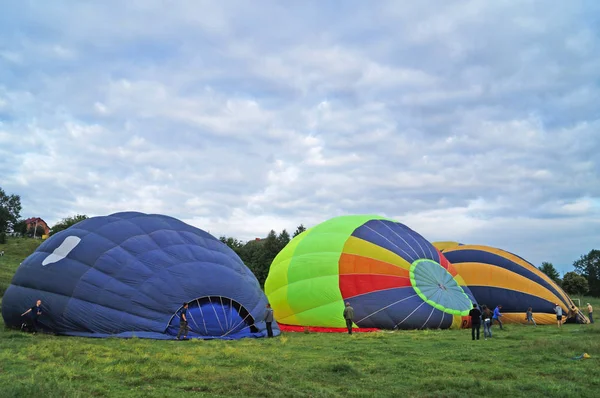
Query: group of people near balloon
(487, 317)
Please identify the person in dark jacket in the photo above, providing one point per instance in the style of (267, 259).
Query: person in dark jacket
(348, 316)
(36, 312)
(183, 322)
(475, 315)
(269, 320)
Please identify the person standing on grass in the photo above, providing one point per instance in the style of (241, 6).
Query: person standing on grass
(529, 316)
(183, 322)
(269, 320)
(348, 316)
(36, 312)
(590, 312)
(487, 322)
(497, 315)
(475, 315)
(558, 310)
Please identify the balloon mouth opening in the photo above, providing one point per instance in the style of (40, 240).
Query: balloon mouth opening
(438, 288)
(213, 316)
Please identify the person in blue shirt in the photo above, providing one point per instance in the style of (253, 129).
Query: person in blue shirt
(183, 322)
(497, 315)
(36, 312)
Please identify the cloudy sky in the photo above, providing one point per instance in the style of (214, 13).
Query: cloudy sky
(474, 121)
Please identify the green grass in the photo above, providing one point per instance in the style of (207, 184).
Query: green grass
(15, 251)
(520, 361)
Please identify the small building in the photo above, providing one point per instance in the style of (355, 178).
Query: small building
(36, 222)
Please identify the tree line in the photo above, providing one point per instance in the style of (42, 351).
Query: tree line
(584, 279)
(258, 254)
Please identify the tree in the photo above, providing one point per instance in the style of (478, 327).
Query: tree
(573, 283)
(283, 239)
(10, 210)
(20, 227)
(301, 228)
(233, 243)
(271, 247)
(548, 269)
(259, 254)
(66, 223)
(589, 266)
(252, 254)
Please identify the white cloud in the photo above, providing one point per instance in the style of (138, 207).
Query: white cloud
(468, 121)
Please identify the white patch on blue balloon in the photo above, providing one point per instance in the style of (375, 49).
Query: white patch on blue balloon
(62, 251)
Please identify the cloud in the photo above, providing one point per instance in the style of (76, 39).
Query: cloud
(467, 121)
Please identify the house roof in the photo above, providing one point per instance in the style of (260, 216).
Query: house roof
(34, 219)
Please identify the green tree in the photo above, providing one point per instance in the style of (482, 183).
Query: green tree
(233, 243)
(548, 269)
(258, 254)
(10, 210)
(252, 254)
(573, 283)
(301, 228)
(66, 223)
(20, 227)
(589, 266)
(283, 239)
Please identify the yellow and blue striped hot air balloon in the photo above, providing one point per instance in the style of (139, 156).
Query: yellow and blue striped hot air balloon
(497, 277)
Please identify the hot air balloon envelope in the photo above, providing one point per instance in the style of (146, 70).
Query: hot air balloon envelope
(129, 273)
(391, 275)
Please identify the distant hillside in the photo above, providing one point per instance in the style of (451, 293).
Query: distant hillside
(15, 251)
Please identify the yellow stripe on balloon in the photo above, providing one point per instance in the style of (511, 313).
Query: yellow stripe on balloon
(279, 301)
(363, 248)
(519, 317)
(480, 274)
(441, 246)
(517, 260)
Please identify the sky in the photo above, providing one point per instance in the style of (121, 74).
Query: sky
(471, 121)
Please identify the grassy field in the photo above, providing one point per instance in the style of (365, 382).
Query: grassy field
(15, 251)
(519, 361)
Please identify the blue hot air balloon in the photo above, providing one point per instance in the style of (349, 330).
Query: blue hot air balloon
(128, 274)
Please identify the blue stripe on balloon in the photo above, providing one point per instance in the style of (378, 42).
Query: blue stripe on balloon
(396, 238)
(511, 300)
(484, 257)
(386, 309)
